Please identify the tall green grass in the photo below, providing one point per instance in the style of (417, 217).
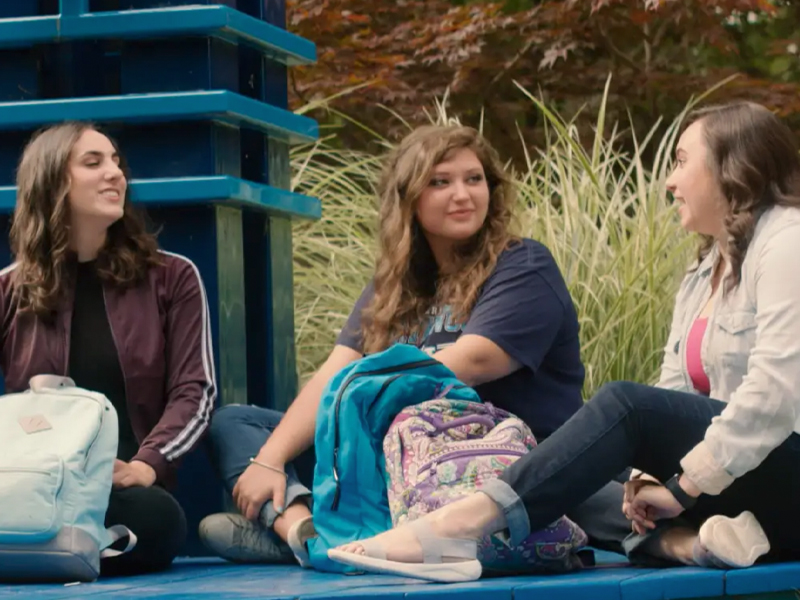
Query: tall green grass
(603, 213)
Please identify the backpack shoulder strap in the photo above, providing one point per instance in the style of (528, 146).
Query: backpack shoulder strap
(117, 532)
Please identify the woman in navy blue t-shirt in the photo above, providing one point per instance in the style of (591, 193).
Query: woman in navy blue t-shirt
(518, 345)
(452, 279)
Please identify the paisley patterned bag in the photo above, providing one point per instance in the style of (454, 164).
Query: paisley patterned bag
(442, 450)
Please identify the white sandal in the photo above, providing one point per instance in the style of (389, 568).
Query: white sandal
(445, 560)
(730, 543)
(298, 537)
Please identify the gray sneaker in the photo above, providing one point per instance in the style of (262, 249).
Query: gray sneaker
(236, 539)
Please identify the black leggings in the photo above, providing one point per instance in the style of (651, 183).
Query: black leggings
(158, 522)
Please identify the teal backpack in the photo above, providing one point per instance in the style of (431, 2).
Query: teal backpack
(357, 407)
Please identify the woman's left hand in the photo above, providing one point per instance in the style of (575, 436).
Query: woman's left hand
(653, 503)
(133, 473)
(632, 487)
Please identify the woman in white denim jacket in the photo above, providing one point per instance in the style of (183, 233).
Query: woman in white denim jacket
(721, 428)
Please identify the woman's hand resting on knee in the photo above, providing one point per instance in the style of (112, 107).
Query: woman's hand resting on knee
(256, 486)
(134, 473)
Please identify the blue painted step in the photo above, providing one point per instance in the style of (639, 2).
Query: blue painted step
(217, 21)
(214, 579)
(198, 190)
(218, 105)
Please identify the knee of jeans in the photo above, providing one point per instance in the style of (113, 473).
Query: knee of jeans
(227, 420)
(222, 420)
(619, 392)
(632, 398)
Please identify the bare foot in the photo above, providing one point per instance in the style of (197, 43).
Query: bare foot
(401, 545)
(674, 544)
(468, 519)
(294, 513)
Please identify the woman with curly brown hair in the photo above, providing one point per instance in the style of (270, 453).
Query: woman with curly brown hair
(721, 428)
(89, 296)
(451, 279)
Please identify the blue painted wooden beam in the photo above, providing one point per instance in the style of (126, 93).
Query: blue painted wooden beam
(217, 21)
(218, 105)
(198, 190)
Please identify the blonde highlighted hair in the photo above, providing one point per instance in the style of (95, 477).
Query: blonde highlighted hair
(407, 281)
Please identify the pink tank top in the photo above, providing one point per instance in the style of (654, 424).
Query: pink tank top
(694, 364)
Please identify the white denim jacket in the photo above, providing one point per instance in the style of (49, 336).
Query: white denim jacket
(750, 352)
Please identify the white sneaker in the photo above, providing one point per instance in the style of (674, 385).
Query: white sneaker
(726, 542)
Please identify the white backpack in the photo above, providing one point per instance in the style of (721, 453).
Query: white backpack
(58, 444)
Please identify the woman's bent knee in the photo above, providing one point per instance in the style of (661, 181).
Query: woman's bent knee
(158, 522)
(159, 514)
(227, 420)
(628, 394)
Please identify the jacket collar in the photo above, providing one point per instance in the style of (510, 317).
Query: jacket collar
(706, 266)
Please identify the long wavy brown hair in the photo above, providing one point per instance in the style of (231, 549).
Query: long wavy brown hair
(41, 225)
(754, 157)
(407, 281)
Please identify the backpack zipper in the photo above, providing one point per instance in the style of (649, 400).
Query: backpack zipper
(24, 470)
(440, 425)
(337, 492)
(337, 404)
(103, 410)
(385, 385)
(470, 453)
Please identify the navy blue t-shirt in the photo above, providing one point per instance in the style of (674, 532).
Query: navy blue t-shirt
(524, 308)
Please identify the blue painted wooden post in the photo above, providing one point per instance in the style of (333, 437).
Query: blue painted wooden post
(73, 7)
(195, 92)
(269, 255)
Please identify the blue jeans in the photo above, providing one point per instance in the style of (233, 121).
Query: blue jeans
(649, 429)
(237, 434)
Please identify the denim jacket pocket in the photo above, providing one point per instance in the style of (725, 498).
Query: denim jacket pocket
(735, 339)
